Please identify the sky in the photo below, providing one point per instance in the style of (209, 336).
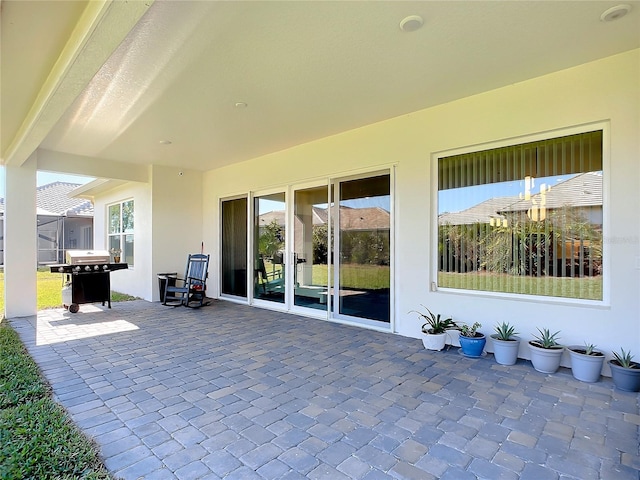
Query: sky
(44, 178)
(458, 199)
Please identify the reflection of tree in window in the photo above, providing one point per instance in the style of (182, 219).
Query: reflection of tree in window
(127, 217)
(120, 235)
(270, 241)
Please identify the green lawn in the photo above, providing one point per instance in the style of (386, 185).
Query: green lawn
(37, 440)
(49, 287)
(368, 277)
(588, 288)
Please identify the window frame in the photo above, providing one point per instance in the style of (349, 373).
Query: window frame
(121, 234)
(512, 141)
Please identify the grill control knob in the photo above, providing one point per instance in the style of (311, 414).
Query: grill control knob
(105, 267)
(61, 269)
(87, 268)
(77, 269)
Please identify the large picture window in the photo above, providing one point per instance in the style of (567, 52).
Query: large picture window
(120, 234)
(524, 219)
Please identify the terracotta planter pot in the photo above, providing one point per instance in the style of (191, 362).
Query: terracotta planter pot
(586, 368)
(546, 360)
(626, 379)
(505, 352)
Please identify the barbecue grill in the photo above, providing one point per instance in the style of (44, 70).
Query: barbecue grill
(88, 277)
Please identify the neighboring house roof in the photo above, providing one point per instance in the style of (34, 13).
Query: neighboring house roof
(270, 217)
(582, 190)
(53, 199)
(373, 218)
(480, 213)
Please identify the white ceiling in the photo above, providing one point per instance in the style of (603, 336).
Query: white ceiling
(305, 69)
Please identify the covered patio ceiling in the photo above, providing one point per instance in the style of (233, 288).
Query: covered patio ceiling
(201, 85)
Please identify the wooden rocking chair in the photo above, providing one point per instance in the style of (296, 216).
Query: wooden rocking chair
(194, 284)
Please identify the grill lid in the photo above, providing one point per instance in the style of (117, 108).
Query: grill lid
(84, 257)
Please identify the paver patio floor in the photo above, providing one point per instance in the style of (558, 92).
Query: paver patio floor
(233, 392)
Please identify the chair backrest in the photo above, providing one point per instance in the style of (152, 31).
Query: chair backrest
(197, 269)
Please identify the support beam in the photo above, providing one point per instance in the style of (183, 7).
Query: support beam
(103, 26)
(91, 167)
(20, 240)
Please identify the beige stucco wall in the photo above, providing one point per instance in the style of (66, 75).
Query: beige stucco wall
(167, 226)
(606, 92)
(177, 220)
(134, 281)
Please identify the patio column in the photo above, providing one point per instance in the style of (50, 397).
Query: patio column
(20, 240)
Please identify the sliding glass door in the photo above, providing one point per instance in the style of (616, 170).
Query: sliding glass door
(311, 248)
(270, 254)
(234, 247)
(323, 250)
(363, 249)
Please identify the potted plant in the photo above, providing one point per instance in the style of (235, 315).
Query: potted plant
(505, 344)
(434, 329)
(586, 362)
(625, 373)
(115, 252)
(471, 341)
(453, 336)
(546, 352)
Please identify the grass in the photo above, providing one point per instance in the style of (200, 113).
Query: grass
(37, 440)
(49, 287)
(366, 277)
(587, 288)
(358, 276)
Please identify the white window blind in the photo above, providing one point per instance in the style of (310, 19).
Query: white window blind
(523, 219)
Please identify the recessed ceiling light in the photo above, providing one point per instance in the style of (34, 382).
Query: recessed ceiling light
(165, 142)
(615, 13)
(240, 105)
(411, 23)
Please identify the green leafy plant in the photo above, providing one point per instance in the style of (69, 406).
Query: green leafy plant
(505, 331)
(624, 359)
(470, 331)
(435, 324)
(588, 349)
(546, 339)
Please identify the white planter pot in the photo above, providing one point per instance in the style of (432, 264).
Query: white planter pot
(546, 360)
(505, 352)
(586, 368)
(434, 341)
(453, 337)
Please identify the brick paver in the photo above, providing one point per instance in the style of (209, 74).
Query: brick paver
(229, 391)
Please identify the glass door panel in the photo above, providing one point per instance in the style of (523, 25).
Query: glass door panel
(310, 248)
(363, 248)
(269, 248)
(234, 247)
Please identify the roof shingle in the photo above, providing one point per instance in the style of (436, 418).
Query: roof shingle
(53, 199)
